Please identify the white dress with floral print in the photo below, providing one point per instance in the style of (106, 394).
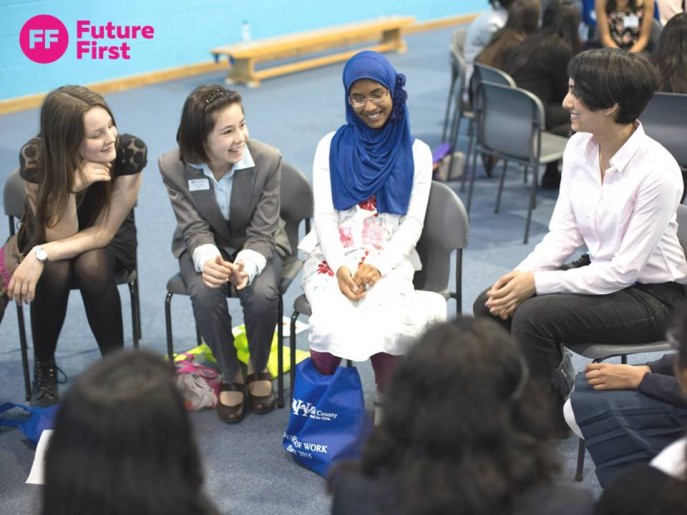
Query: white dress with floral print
(392, 314)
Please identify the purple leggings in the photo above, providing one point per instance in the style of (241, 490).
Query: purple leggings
(382, 363)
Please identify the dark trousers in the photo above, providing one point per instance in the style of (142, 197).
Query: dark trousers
(638, 314)
(260, 303)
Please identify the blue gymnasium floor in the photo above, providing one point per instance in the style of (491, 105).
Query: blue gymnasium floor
(246, 469)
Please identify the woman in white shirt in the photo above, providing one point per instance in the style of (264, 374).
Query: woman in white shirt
(371, 181)
(618, 199)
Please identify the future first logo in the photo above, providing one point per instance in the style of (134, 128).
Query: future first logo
(44, 39)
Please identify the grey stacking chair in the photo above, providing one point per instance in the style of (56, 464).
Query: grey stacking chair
(665, 120)
(481, 73)
(14, 198)
(598, 352)
(456, 109)
(296, 207)
(445, 230)
(510, 125)
(458, 40)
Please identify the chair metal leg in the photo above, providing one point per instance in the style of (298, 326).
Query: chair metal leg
(581, 451)
(135, 311)
(473, 172)
(292, 345)
(280, 354)
(139, 332)
(23, 345)
(498, 195)
(448, 107)
(471, 140)
(168, 327)
(459, 282)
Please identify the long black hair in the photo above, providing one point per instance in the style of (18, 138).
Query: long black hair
(670, 56)
(461, 431)
(123, 444)
(560, 22)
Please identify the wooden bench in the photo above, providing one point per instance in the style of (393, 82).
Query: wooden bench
(385, 31)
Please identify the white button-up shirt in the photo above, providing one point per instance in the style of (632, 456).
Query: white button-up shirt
(627, 222)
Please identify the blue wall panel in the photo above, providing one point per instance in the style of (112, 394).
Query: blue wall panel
(185, 30)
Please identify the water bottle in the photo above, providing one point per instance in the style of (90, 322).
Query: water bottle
(245, 31)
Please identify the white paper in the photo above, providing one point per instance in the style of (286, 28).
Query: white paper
(286, 327)
(36, 476)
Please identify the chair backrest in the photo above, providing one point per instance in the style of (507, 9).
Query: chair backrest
(445, 230)
(458, 41)
(509, 121)
(458, 85)
(485, 73)
(654, 35)
(14, 198)
(296, 202)
(682, 226)
(665, 120)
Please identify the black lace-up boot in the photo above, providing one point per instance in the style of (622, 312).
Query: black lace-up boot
(44, 390)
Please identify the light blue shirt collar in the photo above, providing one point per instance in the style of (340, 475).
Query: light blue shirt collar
(246, 162)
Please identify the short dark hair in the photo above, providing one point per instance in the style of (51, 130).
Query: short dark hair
(123, 443)
(607, 76)
(198, 117)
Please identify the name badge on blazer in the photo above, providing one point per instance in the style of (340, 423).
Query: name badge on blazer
(198, 184)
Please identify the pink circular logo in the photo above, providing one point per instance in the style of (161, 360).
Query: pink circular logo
(44, 39)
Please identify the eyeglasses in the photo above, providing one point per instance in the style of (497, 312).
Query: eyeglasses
(376, 98)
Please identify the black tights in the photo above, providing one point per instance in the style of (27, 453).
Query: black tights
(93, 274)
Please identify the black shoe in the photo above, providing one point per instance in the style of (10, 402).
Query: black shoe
(260, 403)
(44, 389)
(231, 414)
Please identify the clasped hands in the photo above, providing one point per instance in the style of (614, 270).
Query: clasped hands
(508, 292)
(355, 286)
(217, 272)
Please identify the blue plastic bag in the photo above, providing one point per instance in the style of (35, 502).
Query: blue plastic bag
(328, 422)
(33, 425)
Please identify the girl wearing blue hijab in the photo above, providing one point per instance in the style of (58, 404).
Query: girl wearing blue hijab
(371, 181)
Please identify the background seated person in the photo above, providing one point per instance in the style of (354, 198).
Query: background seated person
(659, 486)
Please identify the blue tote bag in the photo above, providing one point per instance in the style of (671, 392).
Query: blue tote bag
(328, 422)
(32, 425)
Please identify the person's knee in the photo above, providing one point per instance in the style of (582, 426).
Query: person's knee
(260, 297)
(529, 317)
(207, 299)
(93, 268)
(478, 308)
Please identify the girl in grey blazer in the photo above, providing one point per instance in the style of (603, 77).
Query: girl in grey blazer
(229, 239)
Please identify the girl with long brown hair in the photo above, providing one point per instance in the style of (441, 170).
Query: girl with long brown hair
(82, 180)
